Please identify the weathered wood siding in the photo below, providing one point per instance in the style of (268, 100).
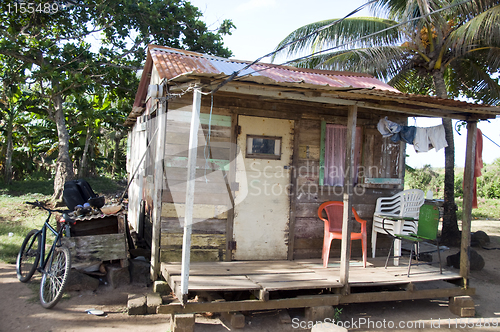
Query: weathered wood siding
(212, 200)
(380, 159)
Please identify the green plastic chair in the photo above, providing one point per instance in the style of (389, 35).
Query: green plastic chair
(427, 230)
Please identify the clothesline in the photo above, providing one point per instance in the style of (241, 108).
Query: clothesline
(422, 138)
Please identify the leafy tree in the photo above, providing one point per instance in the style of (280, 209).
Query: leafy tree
(53, 41)
(12, 101)
(446, 54)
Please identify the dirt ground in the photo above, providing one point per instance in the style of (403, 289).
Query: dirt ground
(21, 311)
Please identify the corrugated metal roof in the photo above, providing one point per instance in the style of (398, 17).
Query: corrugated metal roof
(368, 92)
(172, 63)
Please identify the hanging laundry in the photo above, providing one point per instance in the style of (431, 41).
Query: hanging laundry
(478, 165)
(387, 127)
(429, 138)
(406, 134)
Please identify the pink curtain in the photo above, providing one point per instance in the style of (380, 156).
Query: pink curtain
(335, 154)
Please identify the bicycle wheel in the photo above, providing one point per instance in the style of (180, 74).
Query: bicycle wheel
(29, 256)
(55, 277)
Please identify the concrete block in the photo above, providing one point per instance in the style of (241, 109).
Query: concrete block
(462, 306)
(285, 317)
(136, 304)
(161, 287)
(117, 275)
(182, 323)
(78, 281)
(153, 301)
(235, 319)
(319, 313)
(140, 271)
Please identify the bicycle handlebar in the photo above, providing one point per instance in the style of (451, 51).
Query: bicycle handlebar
(38, 204)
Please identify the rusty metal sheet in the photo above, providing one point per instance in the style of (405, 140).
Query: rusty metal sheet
(172, 63)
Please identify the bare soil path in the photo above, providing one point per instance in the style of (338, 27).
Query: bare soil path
(20, 309)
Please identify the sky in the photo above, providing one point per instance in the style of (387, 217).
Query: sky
(262, 24)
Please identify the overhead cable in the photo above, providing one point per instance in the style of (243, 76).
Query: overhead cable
(354, 41)
(236, 73)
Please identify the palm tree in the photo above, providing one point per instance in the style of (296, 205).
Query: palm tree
(443, 48)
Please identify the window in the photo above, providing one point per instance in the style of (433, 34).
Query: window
(263, 147)
(333, 161)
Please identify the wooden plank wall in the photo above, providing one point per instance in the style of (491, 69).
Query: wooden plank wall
(380, 158)
(148, 177)
(212, 199)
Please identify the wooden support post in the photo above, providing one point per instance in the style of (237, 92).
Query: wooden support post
(191, 176)
(233, 152)
(293, 193)
(158, 189)
(467, 206)
(345, 254)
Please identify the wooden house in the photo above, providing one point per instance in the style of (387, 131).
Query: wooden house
(242, 161)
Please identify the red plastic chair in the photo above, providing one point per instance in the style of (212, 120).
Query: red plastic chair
(333, 228)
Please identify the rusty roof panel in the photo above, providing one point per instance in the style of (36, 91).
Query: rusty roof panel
(172, 63)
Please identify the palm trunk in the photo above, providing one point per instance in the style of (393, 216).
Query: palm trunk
(450, 233)
(117, 139)
(83, 171)
(9, 149)
(64, 166)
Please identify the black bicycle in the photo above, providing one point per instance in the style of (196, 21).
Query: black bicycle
(55, 266)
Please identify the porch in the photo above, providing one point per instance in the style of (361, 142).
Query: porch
(261, 285)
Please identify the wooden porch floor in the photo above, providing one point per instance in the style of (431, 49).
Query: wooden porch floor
(297, 275)
(260, 285)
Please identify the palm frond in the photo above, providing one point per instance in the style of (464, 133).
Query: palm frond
(410, 80)
(470, 9)
(471, 78)
(345, 32)
(480, 31)
(382, 61)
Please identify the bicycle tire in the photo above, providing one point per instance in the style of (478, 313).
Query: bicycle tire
(28, 256)
(55, 277)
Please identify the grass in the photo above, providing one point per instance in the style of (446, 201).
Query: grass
(488, 209)
(17, 218)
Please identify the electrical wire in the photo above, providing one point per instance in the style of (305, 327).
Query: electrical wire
(353, 41)
(236, 73)
(490, 139)
(207, 144)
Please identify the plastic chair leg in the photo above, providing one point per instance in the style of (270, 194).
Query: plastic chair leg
(365, 250)
(326, 251)
(374, 243)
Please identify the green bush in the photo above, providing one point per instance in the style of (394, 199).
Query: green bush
(488, 184)
(425, 179)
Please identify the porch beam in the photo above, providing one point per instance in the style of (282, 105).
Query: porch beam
(311, 301)
(345, 254)
(190, 189)
(467, 205)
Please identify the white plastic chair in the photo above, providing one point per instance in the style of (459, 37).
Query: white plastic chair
(406, 203)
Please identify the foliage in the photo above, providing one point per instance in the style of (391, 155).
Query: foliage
(75, 64)
(460, 43)
(488, 184)
(425, 179)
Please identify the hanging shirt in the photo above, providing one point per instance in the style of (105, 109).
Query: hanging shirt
(428, 138)
(387, 127)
